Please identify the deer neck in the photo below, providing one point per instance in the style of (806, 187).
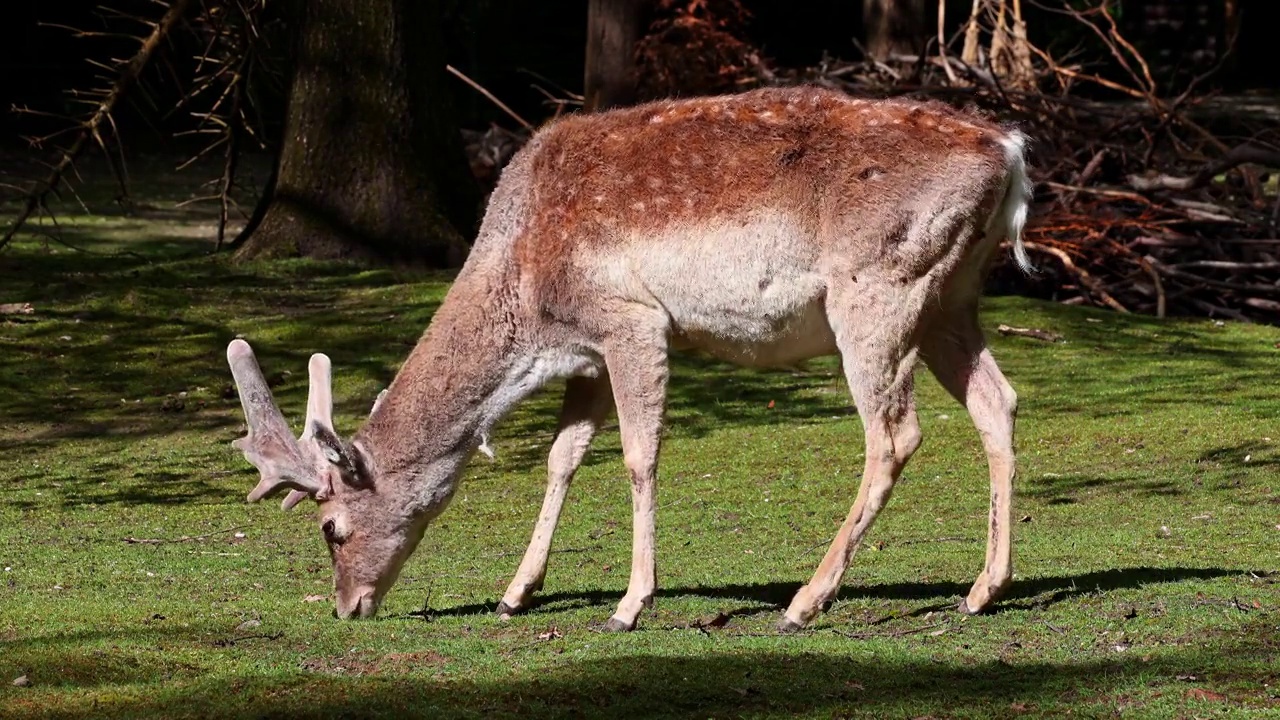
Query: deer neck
(468, 370)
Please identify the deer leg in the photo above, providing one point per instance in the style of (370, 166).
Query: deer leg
(961, 361)
(879, 375)
(638, 371)
(586, 403)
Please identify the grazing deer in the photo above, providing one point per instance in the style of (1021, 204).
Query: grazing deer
(764, 228)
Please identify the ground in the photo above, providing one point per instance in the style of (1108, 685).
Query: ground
(136, 582)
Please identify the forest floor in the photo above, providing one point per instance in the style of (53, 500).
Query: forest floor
(136, 582)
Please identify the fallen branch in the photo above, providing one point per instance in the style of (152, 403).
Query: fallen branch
(1081, 274)
(1044, 335)
(1225, 284)
(1239, 155)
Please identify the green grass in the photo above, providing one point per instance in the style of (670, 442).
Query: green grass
(1146, 559)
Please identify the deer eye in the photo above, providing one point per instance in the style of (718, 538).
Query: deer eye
(330, 534)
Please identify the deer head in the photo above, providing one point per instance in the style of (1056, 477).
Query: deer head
(370, 530)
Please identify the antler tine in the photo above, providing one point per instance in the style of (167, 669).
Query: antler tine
(320, 395)
(269, 445)
(293, 498)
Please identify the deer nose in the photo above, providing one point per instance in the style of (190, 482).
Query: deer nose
(364, 605)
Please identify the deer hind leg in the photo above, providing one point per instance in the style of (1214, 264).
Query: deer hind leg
(638, 371)
(958, 356)
(878, 363)
(587, 402)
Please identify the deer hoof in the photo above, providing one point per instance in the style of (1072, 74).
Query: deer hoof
(616, 625)
(786, 626)
(964, 607)
(505, 611)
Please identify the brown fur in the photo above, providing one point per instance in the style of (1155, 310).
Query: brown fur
(765, 227)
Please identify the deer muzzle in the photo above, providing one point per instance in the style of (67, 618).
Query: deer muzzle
(361, 603)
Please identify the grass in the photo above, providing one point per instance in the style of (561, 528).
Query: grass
(1146, 559)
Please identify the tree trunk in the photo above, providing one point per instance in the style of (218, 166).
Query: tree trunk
(613, 28)
(371, 165)
(895, 27)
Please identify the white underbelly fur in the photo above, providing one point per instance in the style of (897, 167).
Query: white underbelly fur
(746, 293)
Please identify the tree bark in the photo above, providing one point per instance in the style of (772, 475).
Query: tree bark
(371, 165)
(895, 27)
(613, 28)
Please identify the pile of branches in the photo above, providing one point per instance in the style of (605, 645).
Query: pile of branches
(1145, 203)
(1147, 200)
(697, 47)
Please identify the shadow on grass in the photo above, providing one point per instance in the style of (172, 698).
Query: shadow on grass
(1024, 595)
(716, 683)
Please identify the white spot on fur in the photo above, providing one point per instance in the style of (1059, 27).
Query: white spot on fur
(638, 206)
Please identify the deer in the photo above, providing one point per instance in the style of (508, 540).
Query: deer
(763, 228)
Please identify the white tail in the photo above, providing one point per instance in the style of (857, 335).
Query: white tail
(764, 228)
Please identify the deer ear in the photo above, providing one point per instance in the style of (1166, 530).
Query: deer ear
(345, 458)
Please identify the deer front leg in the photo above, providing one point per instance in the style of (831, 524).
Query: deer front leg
(586, 404)
(638, 369)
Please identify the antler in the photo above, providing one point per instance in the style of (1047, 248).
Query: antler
(270, 445)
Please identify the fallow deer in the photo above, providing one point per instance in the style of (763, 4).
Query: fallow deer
(764, 228)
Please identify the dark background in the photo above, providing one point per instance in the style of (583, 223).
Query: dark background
(493, 40)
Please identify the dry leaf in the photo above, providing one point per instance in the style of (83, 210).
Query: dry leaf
(552, 634)
(315, 598)
(1202, 694)
(22, 681)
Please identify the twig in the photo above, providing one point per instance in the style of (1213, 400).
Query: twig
(1085, 278)
(1239, 155)
(1225, 284)
(1161, 301)
(480, 89)
(1044, 335)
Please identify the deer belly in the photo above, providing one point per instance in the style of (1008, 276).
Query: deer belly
(806, 336)
(766, 322)
(745, 291)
